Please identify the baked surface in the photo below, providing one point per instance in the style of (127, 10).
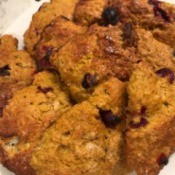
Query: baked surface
(28, 114)
(96, 96)
(16, 69)
(79, 142)
(150, 123)
(46, 14)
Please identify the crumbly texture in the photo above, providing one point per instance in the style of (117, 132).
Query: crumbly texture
(115, 61)
(16, 69)
(153, 51)
(79, 142)
(98, 52)
(154, 15)
(89, 12)
(56, 35)
(29, 113)
(46, 14)
(149, 145)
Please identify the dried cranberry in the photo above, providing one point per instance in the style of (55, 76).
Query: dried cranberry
(129, 35)
(45, 90)
(166, 73)
(110, 16)
(143, 110)
(44, 62)
(158, 11)
(143, 122)
(89, 80)
(5, 71)
(109, 119)
(1, 111)
(162, 159)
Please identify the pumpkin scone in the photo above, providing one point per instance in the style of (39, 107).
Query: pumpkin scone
(93, 57)
(28, 114)
(154, 15)
(56, 35)
(45, 15)
(89, 12)
(150, 119)
(16, 69)
(87, 139)
(153, 51)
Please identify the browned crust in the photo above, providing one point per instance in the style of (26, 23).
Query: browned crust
(20, 164)
(143, 149)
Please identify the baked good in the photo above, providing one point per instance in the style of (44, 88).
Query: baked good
(46, 14)
(89, 12)
(154, 52)
(87, 139)
(154, 15)
(16, 69)
(91, 58)
(150, 120)
(94, 50)
(54, 36)
(28, 114)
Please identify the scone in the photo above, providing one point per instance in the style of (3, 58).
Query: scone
(56, 35)
(154, 52)
(16, 69)
(89, 12)
(46, 14)
(28, 114)
(91, 58)
(87, 139)
(150, 119)
(154, 15)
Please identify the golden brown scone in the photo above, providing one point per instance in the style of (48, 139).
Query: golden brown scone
(87, 139)
(8, 44)
(28, 114)
(88, 12)
(157, 16)
(89, 59)
(57, 34)
(46, 14)
(150, 126)
(154, 52)
(16, 69)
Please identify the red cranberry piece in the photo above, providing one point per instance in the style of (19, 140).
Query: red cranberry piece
(43, 64)
(143, 122)
(89, 80)
(110, 16)
(45, 90)
(5, 71)
(143, 110)
(166, 73)
(1, 111)
(109, 119)
(162, 159)
(158, 11)
(130, 36)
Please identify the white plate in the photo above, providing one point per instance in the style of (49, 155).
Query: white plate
(17, 29)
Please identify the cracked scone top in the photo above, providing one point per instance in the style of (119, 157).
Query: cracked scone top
(46, 14)
(87, 139)
(54, 36)
(150, 126)
(28, 114)
(93, 57)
